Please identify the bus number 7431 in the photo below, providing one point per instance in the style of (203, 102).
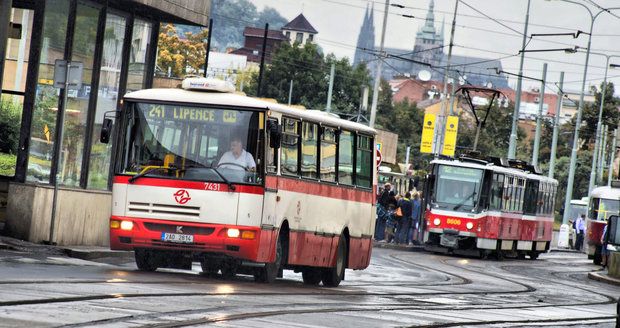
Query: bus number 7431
(212, 186)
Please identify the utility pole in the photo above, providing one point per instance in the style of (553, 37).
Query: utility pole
(541, 102)
(612, 156)
(512, 146)
(375, 91)
(208, 45)
(439, 132)
(601, 157)
(290, 93)
(328, 107)
(262, 63)
(556, 127)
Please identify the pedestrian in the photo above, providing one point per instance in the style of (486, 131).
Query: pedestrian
(390, 225)
(415, 217)
(406, 207)
(580, 228)
(571, 234)
(383, 205)
(604, 250)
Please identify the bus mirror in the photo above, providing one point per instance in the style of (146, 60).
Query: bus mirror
(275, 135)
(613, 230)
(106, 131)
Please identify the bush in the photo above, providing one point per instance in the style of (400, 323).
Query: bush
(7, 164)
(10, 118)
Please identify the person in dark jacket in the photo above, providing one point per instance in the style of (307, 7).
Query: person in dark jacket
(416, 214)
(406, 207)
(383, 205)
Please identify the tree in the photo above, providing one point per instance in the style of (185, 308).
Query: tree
(181, 55)
(611, 116)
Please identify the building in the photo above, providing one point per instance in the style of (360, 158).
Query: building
(115, 41)
(299, 31)
(427, 56)
(253, 44)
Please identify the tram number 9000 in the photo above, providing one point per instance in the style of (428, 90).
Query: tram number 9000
(453, 221)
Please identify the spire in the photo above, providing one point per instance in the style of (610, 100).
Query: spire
(372, 16)
(441, 31)
(430, 15)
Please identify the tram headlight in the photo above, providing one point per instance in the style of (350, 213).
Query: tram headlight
(126, 225)
(232, 233)
(469, 225)
(437, 222)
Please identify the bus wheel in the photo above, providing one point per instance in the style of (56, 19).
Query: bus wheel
(533, 255)
(229, 269)
(209, 268)
(269, 272)
(333, 276)
(311, 276)
(145, 260)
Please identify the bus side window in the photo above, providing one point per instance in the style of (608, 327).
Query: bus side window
(271, 153)
(289, 157)
(364, 162)
(309, 149)
(345, 158)
(328, 154)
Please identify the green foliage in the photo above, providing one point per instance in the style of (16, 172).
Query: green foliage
(610, 117)
(10, 118)
(7, 164)
(582, 176)
(232, 16)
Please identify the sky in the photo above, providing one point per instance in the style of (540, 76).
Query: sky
(484, 28)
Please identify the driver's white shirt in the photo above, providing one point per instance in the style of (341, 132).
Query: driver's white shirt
(245, 160)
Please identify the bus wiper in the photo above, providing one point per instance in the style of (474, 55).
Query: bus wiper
(149, 170)
(230, 185)
(464, 201)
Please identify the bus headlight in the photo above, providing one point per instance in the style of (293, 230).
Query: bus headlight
(233, 233)
(437, 222)
(469, 225)
(126, 225)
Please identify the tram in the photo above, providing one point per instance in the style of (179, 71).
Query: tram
(604, 202)
(240, 185)
(488, 206)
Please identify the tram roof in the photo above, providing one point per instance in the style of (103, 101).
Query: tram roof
(171, 95)
(605, 192)
(495, 168)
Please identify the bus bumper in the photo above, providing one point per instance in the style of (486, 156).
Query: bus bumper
(252, 243)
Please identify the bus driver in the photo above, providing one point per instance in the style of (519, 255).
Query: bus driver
(237, 158)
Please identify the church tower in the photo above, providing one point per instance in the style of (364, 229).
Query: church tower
(366, 38)
(428, 38)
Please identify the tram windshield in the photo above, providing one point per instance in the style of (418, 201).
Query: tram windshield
(191, 143)
(601, 209)
(457, 188)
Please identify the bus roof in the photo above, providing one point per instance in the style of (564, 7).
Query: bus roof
(171, 95)
(578, 202)
(605, 192)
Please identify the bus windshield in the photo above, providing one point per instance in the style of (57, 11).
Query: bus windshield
(458, 188)
(192, 143)
(601, 209)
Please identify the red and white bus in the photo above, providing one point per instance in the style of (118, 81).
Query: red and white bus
(488, 206)
(604, 202)
(241, 185)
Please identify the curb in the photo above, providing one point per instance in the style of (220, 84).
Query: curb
(603, 278)
(415, 248)
(89, 254)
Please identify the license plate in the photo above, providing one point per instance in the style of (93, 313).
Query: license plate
(177, 237)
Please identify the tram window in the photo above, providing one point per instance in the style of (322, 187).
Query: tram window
(497, 189)
(290, 147)
(345, 158)
(309, 153)
(328, 155)
(364, 162)
(506, 206)
(532, 196)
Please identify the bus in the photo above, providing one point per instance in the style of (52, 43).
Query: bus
(604, 202)
(488, 206)
(241, 185)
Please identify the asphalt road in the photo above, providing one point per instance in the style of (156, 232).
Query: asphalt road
(399, 289)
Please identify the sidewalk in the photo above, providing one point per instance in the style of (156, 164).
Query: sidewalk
(79, 252)
(603, 277)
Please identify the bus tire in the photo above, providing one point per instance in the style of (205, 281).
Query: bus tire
(311, 276)
(333, 276)
(145, 260)
(269, 272)
(229, 269)
(533, 255)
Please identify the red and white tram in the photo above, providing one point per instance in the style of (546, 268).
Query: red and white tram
(604, 202)
(488, 206)
(241, 185)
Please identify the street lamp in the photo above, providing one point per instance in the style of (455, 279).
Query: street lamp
(597, 138)
(573, 156)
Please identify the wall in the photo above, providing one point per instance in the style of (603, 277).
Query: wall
(196, 11)
(82, 215)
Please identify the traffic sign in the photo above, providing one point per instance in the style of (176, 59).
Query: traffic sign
(379, 158)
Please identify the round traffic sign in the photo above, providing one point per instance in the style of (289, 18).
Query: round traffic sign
(379, 158)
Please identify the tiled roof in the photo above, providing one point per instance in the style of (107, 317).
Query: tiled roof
(301, 24)
(260, 32)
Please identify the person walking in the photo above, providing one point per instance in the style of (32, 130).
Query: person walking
(406, 206)
(416, 212)
(580, 228)
(386, 199)
(604, 250)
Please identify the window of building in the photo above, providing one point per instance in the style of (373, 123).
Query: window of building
(141, 36)
(328, 154)
(345, 158)
(364, 162)
(288, 35)
(310, 37)
(107, 98)
(309, 144)
(289, 158)
(299, 37)
(43, 130)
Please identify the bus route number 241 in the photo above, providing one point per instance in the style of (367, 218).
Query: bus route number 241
(213, 186)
